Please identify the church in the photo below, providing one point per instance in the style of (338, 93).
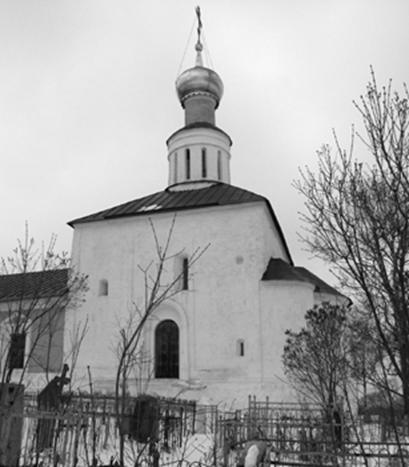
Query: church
(219, 334)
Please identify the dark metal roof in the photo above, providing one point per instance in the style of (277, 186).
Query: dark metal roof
(320, 285)
(278, 269)
(33, 284)
(218, 194)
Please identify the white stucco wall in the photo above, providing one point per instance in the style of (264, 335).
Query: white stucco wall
(283, 306)
(225, 302)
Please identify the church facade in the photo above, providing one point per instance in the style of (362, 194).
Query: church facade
(221, 336)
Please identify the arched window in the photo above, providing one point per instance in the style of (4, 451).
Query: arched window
(187, 164)
(167, 350)
(103, 287)
(204, 163)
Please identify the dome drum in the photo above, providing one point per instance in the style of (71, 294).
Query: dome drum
(199, 107)
(198, 155)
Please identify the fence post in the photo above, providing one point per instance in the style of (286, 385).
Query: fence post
(215, 444)
(11, 422)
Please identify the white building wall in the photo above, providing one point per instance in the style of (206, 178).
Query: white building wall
(222, 303)
(283, 306)
(226, 301)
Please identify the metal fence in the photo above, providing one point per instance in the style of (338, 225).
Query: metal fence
(86, 431)
(304, 435)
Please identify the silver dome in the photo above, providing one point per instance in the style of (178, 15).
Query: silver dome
(199, 80)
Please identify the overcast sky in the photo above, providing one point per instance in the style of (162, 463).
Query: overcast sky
(87, 97)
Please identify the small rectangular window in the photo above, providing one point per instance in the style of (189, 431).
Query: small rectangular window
(103, 287)
(16, 351)
(240, 348)
(175, 156)
(187, 164)
(185, 274)
(219, 165)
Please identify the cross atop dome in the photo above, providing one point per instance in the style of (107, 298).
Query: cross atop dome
(199, 45)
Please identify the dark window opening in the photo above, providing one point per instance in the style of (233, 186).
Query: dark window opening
(219, 165)
(167, 350)
(103, 287)
(176, 167)
(204, 163)
(16, 351)
(240, 348)
(185, 274)
(188, 164)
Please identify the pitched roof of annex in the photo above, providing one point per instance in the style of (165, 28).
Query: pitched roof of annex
(320, 285)
(278, 269)
(29, 285)
(168, 200)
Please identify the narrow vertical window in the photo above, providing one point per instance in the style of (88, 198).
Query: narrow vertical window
(219, 165)
(185, 274)
(175, 165)
(16, 351)
(204, 163)
(240, 348)
(187, 164)
(103, 287)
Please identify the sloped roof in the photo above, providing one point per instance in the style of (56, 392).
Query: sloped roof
(320, 285)
(218, 194)
(278, 269)
(33, 284)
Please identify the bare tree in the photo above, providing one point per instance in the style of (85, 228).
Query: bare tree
(36, 287)
(159, 286)
(357, 220)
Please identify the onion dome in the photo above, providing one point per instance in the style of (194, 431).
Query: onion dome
(199, 80)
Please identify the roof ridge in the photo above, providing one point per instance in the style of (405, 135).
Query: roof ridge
(26, 273)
